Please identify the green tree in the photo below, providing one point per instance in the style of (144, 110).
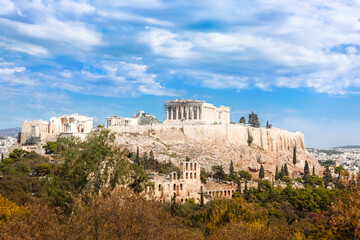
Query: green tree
(89, 166)
(219, 173)
(100, 126)
(294, 156)
(281, 174)
(253, 120)
(140, 179)
(2, 157)
(144, 158)
(203, 176)
(327, 178)
(137, 158)
(151, 157)
(268, 125)
(250, 138)
(51, 147)
(306, 178)
(313, 170)
(43, 169)
(286, 172)
(201, 198)
(246, 176)
(261, 172)
(231, 168)
(277, 173)
(242, 120)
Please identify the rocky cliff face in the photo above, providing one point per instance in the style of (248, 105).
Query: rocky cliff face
(220, 144)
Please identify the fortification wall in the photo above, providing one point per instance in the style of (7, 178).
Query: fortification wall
(219, 145)
(270, 140)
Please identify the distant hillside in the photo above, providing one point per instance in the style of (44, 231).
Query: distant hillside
(11, 132)
(348, 146)
(146, 118)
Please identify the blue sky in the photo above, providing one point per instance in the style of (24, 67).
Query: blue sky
(294, 63)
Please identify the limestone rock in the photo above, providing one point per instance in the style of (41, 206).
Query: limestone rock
(219, 144)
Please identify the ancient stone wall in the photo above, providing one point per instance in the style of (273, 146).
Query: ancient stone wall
(219, 145)
(270, 140)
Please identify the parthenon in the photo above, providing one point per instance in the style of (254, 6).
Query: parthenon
(195, 111)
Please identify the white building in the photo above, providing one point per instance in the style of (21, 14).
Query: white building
(195, 111)
(121, 121)
(40, 130)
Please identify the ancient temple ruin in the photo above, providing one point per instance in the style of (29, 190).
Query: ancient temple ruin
(187, 185)
(41, 131)
(121, 121)
(195, 111)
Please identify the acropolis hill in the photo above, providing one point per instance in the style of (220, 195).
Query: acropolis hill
(195, 129)
(218, 145)
(203, 132)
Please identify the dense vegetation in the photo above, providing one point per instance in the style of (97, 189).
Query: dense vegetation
(93, 190)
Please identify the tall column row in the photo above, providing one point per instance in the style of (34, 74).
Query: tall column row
(184, 112)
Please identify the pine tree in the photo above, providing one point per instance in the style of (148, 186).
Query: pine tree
(277, 173)
(151, 156)
(268, 125)
(313, 170)
(137, 158)
(144, 158)
(242, 120)
(261, 172)
(250, 138)
(253, 120)
(306, 168)
(2, 157)
(201, 198)
(231, 168)
(281, 174)
(286, 172)
(327, 177)
(294, 156)
(306, 173)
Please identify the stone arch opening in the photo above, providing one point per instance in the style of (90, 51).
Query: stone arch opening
(195, 166)
(190, 166)
(187, 176)
(194, 175)
(191, 175)
(181, 187)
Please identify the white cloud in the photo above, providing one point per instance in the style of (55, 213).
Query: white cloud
(127, 16)
(152, 4)
(77, 8)
(23, 47)
(66, 74)
(7, 7)
(11, 71)
(74, 33)
(164, 42)
(218, 81)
